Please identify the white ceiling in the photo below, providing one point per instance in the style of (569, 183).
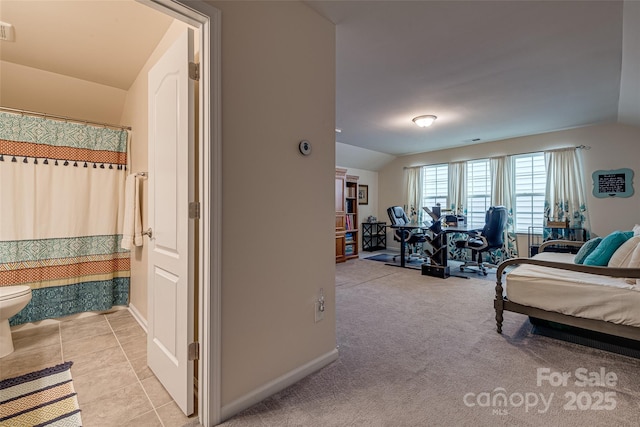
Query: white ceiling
(106, 42)
(488, 69)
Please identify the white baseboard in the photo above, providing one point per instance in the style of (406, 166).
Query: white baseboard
(139, 318)
(277, 385)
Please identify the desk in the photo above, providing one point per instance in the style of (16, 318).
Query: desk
(439, 257)
(409, 227)
(439, 242)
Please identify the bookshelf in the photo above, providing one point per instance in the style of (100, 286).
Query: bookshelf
(374, 236)
(346, 197)
(351, 217)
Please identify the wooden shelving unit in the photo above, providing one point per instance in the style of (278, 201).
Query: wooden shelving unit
(346, 215)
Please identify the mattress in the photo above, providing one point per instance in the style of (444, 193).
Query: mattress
(573, 293)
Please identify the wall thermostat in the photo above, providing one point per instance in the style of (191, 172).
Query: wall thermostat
(305, 147)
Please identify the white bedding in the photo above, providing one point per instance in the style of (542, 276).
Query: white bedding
(576, 294)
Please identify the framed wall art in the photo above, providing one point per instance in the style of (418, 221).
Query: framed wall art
(613, 183)
(363, 194)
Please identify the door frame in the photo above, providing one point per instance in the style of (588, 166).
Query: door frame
(207, 20)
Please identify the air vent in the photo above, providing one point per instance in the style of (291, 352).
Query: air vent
(6, 32)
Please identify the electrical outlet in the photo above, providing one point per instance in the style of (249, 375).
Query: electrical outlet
(319, 306)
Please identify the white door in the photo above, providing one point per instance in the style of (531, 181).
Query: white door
(171, 246)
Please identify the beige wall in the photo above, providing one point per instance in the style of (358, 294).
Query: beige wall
(278, 87)
(135, 114)
(613, 146)
(41, 91)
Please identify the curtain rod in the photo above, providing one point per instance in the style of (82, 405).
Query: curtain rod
(66, 119)
(577, 147)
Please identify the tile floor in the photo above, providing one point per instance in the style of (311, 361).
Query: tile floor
(110, 374)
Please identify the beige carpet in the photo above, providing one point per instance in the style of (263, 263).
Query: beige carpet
(413, 347)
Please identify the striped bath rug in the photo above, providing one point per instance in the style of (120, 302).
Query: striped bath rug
(42, 398)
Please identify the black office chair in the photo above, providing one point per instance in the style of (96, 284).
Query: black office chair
(484, 240)
(397, 216)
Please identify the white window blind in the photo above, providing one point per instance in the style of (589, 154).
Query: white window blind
(529, 187)
(435, 185)
(478, 192)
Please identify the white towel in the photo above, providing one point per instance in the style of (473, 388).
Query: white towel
(132, 233)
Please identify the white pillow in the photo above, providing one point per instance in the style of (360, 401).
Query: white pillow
(636, 230)
(634, 263)
(622, 256)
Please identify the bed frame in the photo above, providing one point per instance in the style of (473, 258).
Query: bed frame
(501, 303)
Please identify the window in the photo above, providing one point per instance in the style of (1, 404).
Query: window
(530, 180)
(478, 192)
(435, 185)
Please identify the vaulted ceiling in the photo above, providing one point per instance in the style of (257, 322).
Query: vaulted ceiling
(488, 70)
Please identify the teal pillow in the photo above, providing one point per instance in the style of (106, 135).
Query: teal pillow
(602, 253)
(586, 249)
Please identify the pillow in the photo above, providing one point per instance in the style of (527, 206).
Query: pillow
(586, 249)
(601, 255)
(636, 230)
(634, 263)
(622, 256)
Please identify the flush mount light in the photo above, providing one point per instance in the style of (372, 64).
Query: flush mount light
(424, 121)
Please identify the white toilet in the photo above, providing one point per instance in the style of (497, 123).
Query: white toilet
(12, 300)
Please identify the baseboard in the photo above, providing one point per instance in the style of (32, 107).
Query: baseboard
(139, 318)
(277, 385)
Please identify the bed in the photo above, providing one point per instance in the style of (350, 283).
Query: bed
(551, 287)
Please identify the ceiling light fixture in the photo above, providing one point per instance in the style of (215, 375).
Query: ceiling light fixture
(424, 121)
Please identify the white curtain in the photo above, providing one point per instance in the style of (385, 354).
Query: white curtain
(502, 195)
(413, 207)
(458, 187)
(565, 196)
(61, 215)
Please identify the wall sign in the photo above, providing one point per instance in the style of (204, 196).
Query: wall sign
(613, 183)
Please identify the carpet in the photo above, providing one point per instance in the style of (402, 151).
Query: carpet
(420, 351)
(41, 398)
(454, 267)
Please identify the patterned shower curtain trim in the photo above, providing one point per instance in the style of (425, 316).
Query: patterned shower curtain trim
(62, 226)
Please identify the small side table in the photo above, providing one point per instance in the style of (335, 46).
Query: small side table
(374, 236)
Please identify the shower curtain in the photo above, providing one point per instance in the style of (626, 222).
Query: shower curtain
(61, 214)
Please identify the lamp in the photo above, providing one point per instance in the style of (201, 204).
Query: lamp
(424, 121)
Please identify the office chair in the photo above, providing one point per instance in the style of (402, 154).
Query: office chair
(484, 240)
(397, 216)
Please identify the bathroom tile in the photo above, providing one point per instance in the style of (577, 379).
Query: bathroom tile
(117, 313)
(91, 362)
(103, 381)
(135, 349)
(122, 321)
(83, 328)
(140, 367)
(133, 332)
(156, 392)
(83, 346)
(19, 333)
(47, 337)
(171, 415)
(23, 362)
(116, 408)
(150, 419)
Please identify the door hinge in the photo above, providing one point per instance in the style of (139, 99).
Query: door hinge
(194, 71)
(194, 351)
(194, 210)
